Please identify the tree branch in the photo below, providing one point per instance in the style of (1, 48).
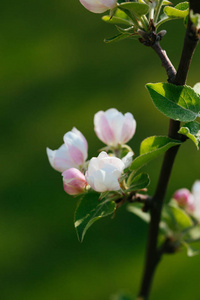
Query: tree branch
(153, 255)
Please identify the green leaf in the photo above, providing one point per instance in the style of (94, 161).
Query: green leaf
(176, 102)
(118, 37)
(89, 210)
(139, 182)
(181, 10)
(136, 208)
(151, 148)
(116, 20)
(192, 131)
(138, 9)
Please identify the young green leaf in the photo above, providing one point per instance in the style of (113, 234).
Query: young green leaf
(138, 9)
(151, 148)
(192, 131)
(176, 218)
(89, 210)
(176, 102)
(181, 10)
(139, 182)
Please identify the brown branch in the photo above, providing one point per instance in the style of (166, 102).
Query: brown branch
(153, 255)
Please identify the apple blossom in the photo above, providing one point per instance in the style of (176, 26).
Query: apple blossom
(74, 181)
(98, 6)
(113, 128)
(103, 172)
(71, 154)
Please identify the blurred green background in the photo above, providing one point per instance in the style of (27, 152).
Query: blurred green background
(56, 73)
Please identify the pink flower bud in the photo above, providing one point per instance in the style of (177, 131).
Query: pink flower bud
(103, 172)
(71, 154)
(114, 128)
(74, 181)
(183, 197)
(98, 6)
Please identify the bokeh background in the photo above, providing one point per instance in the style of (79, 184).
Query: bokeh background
(56, 73)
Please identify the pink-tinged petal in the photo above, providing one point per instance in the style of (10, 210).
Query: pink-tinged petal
(116, 122)
(78, 133)
(128, 129)
(74, 181)
(109, 3)
(76, 145)
(102, 128)
(59, 159)
(76, 155)
(94, 6)
(114, 128)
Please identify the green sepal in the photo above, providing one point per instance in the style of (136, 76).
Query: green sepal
(181, 10)
(89, 210)
(176, 102)
(138, 9)
(118, 37)
(195, 19)
(117, 20)
(192, 131)
(151, 148)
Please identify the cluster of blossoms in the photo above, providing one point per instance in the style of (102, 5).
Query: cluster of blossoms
(189, 201)
(101, 173)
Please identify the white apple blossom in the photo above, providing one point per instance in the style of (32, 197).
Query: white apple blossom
(74, 182)
(72, 154)
(113, 128)
(103, 172)
(98, 6)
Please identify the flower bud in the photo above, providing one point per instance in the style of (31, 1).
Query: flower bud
(113, 128)
(74, 181)
(98, 6)
(103, 172)
(183, 197)
(71, 154)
